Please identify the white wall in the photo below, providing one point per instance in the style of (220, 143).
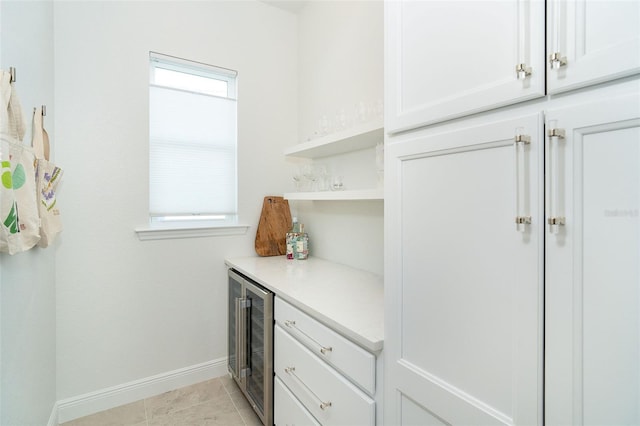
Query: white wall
(129, 309)
(340, 59)
(27, 281)
(340, 64)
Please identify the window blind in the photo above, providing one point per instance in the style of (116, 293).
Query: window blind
(192, 153)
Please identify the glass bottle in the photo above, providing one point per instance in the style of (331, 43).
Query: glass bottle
(291, 239)
(301, 250)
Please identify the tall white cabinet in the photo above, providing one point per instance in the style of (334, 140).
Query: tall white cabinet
(592, 307)
(512, 235)
(463, 281)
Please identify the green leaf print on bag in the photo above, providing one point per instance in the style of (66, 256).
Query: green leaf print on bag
(19, 177)
(6, 175)
(13, 180)
(11, 221)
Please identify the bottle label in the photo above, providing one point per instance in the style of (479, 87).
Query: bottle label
(291, 243)
(301, 250)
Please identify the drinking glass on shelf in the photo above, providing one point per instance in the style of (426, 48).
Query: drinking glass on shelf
(323, 178)
(379, 109)
(324, 125)
(336, 183)
(297, 179)
(341, 119)
(309, 173)
(361, 112)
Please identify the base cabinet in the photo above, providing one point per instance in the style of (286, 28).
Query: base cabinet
(321, 378)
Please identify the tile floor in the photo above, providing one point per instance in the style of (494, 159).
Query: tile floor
(214, 402)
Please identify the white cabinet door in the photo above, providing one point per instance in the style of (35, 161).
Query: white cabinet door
(598, 39)
(463, 282)
(446, 59)
(592, 307)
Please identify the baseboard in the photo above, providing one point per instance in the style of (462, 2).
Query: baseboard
(94, 402)
(53, 418)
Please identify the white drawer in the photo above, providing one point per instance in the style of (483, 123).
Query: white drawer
(330, 397)
(347, 357)
(288, 410)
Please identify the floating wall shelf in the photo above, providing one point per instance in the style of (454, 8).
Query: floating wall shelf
(362, 136)
(363, 194)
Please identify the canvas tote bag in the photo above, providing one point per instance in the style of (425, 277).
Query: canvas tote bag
(48, 175)
(19, 219)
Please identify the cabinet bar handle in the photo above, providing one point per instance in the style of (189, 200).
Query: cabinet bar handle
(292, 372)
(520, 142)
(522, 71)
(554, 219)
(557, 60)
(240, 348)
(323, 349)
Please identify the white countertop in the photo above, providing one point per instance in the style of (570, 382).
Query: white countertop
(346, 299)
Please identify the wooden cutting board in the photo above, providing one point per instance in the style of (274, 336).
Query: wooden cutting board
(275, 222)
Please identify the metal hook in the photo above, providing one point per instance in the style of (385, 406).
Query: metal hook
(44, 110)
(12, 71)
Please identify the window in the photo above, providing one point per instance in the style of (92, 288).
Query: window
(192, 143)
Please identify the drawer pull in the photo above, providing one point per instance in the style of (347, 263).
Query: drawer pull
(292, 372)
(323, 349)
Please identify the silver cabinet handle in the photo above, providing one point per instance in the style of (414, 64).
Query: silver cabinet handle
(323, 349)
(556, 60)
(240, 338)
(558, 38)
(522, 71)
(292, 372)
(520, 143)
(555, 219)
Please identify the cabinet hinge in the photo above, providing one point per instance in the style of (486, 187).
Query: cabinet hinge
(556, 133)
(522, 71)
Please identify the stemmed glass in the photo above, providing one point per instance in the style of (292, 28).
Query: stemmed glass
(310, 175)
(297, 178)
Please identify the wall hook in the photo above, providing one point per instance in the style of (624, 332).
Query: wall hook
(12, 71)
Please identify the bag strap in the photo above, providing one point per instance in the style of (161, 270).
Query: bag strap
(38, 141)
(17, 126)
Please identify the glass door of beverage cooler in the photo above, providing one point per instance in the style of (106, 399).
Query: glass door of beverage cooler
(259, 380)
(250, 343)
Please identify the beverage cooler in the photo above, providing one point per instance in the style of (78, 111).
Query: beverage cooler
(251, 342)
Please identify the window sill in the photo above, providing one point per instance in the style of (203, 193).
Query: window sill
(147, 233)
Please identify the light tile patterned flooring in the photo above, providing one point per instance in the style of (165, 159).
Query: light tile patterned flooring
(217, 401)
